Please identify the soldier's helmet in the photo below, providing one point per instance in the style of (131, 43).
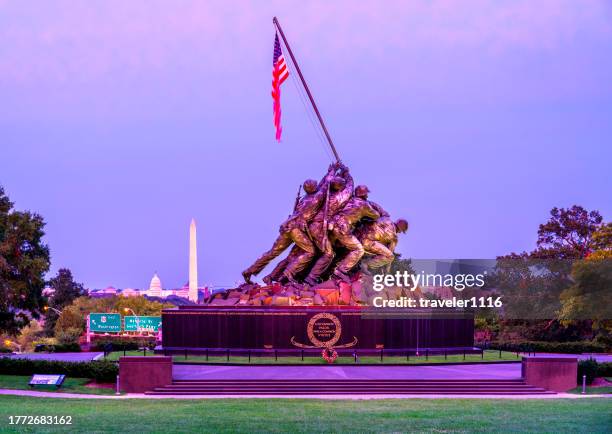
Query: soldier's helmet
(338, 183)
(362, 191)
(310, 186)
(402, 225)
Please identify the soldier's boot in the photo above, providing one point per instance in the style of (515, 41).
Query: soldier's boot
(311, 281)
(267, 280)
(342, 276)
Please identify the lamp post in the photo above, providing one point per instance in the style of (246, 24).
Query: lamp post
(8, 343)
(126, 310)
(46, 308)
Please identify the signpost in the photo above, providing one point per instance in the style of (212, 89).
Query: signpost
(142, 323)
(105, 322)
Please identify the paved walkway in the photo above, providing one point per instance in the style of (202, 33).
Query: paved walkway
(253, 372)
(64, 357)
(332, 397)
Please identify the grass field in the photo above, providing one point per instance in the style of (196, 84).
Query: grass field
(72, 385)
(593, 390)
(300, 415)
(489, 356)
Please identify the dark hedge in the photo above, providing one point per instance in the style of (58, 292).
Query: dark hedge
(100, 370)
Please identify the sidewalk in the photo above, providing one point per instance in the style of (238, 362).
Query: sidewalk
(64, 357)
(330, 397)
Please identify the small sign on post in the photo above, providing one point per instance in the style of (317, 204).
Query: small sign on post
(47, 380)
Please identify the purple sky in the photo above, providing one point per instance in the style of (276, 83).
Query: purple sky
(120, 121)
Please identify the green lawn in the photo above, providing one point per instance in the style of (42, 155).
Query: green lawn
(489, 356)
(72, 385)
(593, 390)
(302, 415)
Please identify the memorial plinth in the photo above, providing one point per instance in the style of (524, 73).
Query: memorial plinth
(139, 374)
(200, 327)
(558, 374)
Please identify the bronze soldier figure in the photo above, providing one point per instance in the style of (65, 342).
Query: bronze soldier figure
(341, 190)
(343, 225)
(294, 230)
(379, 239)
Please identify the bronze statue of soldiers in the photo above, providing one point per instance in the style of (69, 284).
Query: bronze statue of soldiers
(294, 230)
(276, 275)
(343, 224)
(341, 190)
(379, 239)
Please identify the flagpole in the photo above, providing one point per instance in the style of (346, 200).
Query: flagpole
(312, 101)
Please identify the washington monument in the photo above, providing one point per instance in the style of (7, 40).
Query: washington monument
(193, 263)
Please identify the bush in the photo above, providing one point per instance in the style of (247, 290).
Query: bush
(116, 345)
(68, 336)
(604, 369)
(5, 350)
(58, 348)
(588, 368)
(99, 370)
(127, 344)
(550, 347)
(29, 335)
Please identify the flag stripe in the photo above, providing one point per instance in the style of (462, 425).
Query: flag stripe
(280, 72)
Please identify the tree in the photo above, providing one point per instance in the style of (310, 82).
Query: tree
(24, 260)
(589, 297)
(602, 243)
(71, 318)
(29, 334)
(568, 234)
(532, 283)
(66, 290)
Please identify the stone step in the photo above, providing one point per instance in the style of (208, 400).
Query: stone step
(355, 392)
(353, 381)
(348, 386)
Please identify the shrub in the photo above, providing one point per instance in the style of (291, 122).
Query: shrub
(58, 348)
(29, 335)
(127, 344)
(550, 347)
(604, 369)
(99, 370)
(588, 368)
(67, 336)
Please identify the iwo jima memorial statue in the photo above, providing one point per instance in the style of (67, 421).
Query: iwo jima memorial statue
(317, 296)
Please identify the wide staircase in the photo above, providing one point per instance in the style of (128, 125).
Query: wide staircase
(349, 387)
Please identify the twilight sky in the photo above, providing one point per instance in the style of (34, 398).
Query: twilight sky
(120, 121)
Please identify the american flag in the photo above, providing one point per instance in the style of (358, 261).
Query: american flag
(279, 75)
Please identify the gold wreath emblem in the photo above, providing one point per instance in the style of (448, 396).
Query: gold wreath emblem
(314, 339)
(327, 344)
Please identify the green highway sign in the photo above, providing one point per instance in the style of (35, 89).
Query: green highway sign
(142, 323)
(105, 322)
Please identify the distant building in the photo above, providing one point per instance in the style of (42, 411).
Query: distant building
(109, 290)
(155, 287)
(130, 292)
(101, 293)
(182, 292)
(155, 291)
